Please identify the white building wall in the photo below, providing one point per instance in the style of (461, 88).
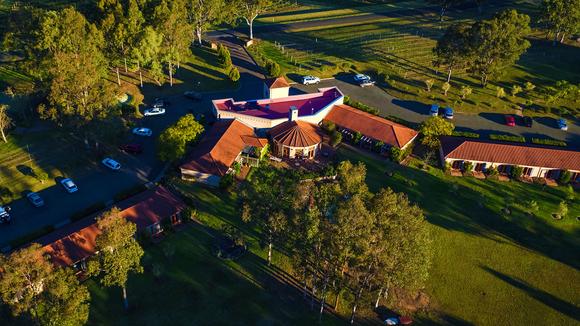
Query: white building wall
(279, 92)
(536, 172)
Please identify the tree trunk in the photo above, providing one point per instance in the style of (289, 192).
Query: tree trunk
(323, 296)
(378, 298)
(305, 285)
(3, 135)
(556, 38)
(356, 299)
(251, 24)
(125, 300)
(198, 33)
(449, 75)
(441, 14)
(313, 293)
(270, 253)
(140, 75)
(125, 65)
(118, 77)
(562, 39)
(170, 74)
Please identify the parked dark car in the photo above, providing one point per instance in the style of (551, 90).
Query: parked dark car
(35, 199)
(193, 95)
(229, 249)
(131, 148)
(528, 122)
(4, 216)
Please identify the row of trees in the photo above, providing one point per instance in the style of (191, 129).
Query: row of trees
(485, 47)
(41, 293)
(340, 236)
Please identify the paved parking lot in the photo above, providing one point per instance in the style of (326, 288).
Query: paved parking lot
(412, 111)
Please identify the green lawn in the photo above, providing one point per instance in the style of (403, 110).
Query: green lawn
(400, 46)
(490, 267)
(23, 155)
(196, 288)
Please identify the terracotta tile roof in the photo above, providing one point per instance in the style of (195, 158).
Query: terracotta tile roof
(369, 125)
(279, 82)
(77, 241)
(296, 134)
(219, 148)
(255, 141)
(510, 153)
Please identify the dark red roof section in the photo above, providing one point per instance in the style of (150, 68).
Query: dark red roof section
(510, 153)
(279, 82)
(76, 241)
(219, 148)
(369, 125)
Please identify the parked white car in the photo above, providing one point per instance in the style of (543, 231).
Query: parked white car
(310, 80)
(4, 216)
(111, 164)
(360, 77)
(154, 111)
(69, 185)
(142, 132)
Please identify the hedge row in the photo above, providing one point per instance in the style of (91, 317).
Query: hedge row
(517, 139)
(361, 106)
(465, 134)
(551, 142)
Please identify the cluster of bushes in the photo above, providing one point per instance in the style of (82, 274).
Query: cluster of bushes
(398, 155)
(225, 60)
(517, 139)
(551, 142)
(272, 68)
(361, 106)
(465, 134)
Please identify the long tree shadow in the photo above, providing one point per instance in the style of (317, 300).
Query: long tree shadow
(542, 296)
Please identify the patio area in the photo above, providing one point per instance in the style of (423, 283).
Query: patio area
(325, 156)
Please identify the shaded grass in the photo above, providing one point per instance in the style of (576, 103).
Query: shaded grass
(196, 288)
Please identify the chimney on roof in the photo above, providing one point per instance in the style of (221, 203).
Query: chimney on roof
(293, 114)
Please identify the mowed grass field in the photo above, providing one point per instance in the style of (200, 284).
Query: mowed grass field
(399, 43)
(490, 268)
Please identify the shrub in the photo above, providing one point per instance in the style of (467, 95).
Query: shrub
(273, 68)
(224, 56)
(335, 138)
(6, 195)
(40, 175)
(328, 126)
(562, 209)
(516, 172)
(491, 172)
(189, 214)
(550, 142)
(398, 155)
(467, 166)
(517, 139)
(234, 74)
(237, 167)
(565, 177)
(357, 137)
(465, 134)
(379, 146)
(516, 89)
(227, 182)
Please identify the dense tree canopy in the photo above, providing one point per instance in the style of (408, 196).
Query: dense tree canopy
(173, 141)
(562, 17)
(72, 54)
(119, 253)
(433, 128)
(453, 49)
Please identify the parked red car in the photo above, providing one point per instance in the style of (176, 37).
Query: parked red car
(131, 148)
(510, 121)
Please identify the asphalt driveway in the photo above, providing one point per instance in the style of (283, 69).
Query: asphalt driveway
(416, 112)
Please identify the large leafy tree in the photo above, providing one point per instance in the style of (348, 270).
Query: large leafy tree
(118, 252)
(173, 141)
(498, 43)
(33, 288)
(203, 13)
(268, 200)
(72, 55)
(433, 128)
(64, 301)
(147, 53)
(453, 49)
(172, 25)
(562, 17)
(5, 121)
